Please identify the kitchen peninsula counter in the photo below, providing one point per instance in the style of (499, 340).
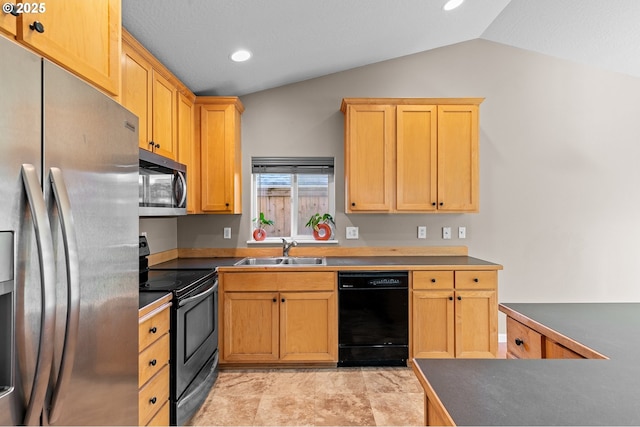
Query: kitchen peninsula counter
(548, 391)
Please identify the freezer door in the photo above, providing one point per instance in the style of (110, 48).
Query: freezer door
(20, 142)
(92, 141)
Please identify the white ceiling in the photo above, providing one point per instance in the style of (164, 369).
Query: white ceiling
(295, 40)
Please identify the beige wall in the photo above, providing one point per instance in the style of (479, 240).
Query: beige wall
(559, 165)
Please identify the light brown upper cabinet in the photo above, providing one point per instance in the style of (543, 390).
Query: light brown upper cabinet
(411, 154)
(218, 126)
(81, 36)
(187, 150)
(151, 93)
(8, 24)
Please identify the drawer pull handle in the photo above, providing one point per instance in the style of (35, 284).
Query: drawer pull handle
(153, 330)
(153, 400)
(475, 279)
(519, 341)
(433, 280)
(153, 362)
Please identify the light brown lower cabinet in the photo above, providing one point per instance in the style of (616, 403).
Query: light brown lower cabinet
(279, 317)
(454, 314)
(153, 367)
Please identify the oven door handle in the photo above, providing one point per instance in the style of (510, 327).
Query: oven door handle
(200, 296)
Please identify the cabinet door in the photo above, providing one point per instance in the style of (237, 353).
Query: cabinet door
(186, 150)
(164, 116)
(369, 164)
(458, 158)
(220, 168)
(308, 326)
(8, 23)
(136, 92)
(250, 331)
(476, 324)
(82, 36)
(432, 324)
(416, 148)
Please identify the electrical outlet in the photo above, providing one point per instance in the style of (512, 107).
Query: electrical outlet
(227, 233)
(446, 232)
(352, 232)
(462, 232)
(422, 232)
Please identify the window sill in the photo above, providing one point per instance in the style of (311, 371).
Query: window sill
(278, 242)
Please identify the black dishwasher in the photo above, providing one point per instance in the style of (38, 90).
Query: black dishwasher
(373, 309)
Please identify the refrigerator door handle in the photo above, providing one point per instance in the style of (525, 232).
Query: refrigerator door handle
(61, 197)
(44, 243)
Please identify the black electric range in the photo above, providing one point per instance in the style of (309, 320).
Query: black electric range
(179, 282)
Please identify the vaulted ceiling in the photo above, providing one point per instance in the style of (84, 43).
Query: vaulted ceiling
(295, 40)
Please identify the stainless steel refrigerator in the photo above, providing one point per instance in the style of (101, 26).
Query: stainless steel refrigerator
(68, 248)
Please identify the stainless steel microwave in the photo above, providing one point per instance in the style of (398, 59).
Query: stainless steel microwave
(162, 185)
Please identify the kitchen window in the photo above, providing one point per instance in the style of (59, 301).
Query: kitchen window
(289, 190)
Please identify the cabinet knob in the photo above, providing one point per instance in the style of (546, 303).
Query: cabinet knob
(433, 280)
(275, 300)
(519, 341)
(475, 279)
(37, 27)
(226, 204)
(10, 8)
(353, 203)
(153, 400)
(450, 298)
(157, 146)
(433, 204)
(441, 203)
(459, 298)
(282, 299)
(153, 362)
(153, 330)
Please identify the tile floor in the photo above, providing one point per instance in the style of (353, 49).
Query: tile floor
(314, 397)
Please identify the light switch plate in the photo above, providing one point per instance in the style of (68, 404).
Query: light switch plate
(227, 233)
(462, 232)
(352, 232)
(422, 232)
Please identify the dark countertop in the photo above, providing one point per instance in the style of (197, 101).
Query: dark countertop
(148, 298)
(551, 392)
(195, 263)
(342, 262)
(406, 260)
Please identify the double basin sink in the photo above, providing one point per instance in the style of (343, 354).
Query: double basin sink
(281, 261)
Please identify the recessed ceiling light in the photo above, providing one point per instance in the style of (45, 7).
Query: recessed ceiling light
(240, 55)
(452, 4)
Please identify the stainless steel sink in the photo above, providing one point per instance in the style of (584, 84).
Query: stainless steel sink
(281, 261)
(304, 261)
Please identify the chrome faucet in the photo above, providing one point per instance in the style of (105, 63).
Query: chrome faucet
(287, 245)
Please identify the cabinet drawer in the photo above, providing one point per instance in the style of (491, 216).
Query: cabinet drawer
(152, 359)
(433, 280)
(553, 350)
(279, 281)
(523, 342)
(162, 417)
(476, 279)
(307, 281)
(153, 395)
(152, 327)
